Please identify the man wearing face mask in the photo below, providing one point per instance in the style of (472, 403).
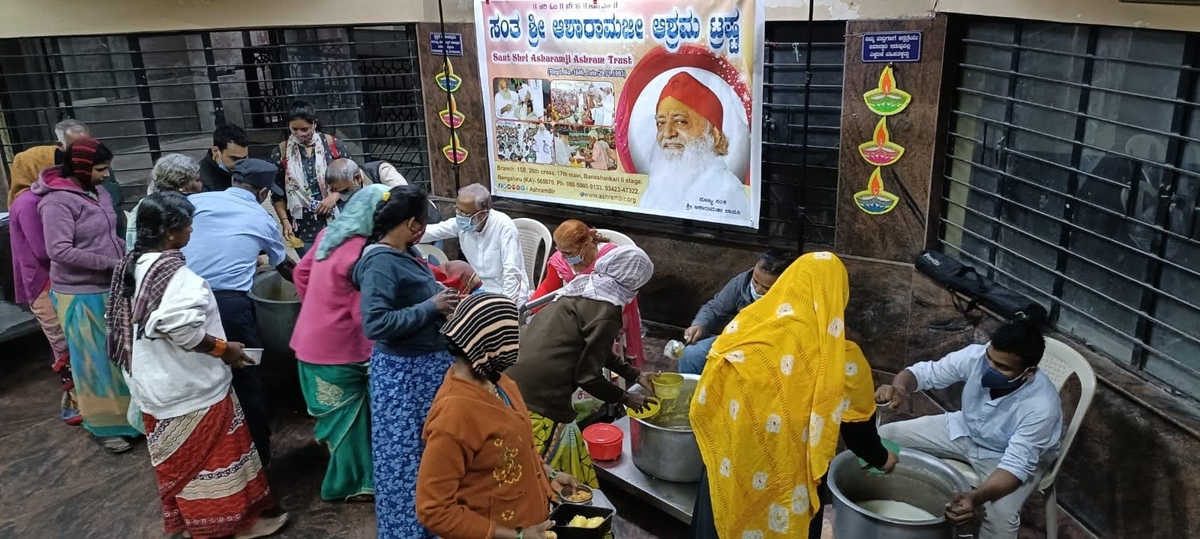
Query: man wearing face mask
(230, 145)
(229, 230)
(489, 240)
(741, 291)
(1008, 428)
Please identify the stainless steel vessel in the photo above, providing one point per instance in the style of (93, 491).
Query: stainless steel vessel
(667, 454)
(920, 480)
(277, 307)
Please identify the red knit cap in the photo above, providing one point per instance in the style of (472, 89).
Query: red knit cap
(689, 91)
(82, 154)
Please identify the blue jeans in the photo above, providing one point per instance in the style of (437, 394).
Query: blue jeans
(694, 356)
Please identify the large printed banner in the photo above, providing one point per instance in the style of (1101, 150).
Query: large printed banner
(648, 106)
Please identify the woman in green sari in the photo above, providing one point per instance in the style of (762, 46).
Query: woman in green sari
(334, 353)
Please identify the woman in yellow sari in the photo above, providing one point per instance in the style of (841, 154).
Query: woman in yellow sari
(779, 385)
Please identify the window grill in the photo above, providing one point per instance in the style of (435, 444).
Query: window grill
(796, 207)
(1073, 176)
(145, 95)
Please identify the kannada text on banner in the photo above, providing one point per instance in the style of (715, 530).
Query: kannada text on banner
(649, 107)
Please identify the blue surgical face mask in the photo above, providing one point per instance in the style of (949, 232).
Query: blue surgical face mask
(994, 379)
(754, 295)
(221, 163)
(574, 260)
(465, 224)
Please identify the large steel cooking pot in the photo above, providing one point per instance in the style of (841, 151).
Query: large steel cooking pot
(277, 306)
(668, 454)
(920, 480)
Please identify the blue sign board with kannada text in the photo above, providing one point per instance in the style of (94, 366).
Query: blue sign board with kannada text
(445, 44)
(886, 47)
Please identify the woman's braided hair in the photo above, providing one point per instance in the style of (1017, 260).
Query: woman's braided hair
(157, 216)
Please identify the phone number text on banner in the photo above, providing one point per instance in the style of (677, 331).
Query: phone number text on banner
(650, 106)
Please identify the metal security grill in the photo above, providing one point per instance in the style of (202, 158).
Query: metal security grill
(1073, 176)
(147, 95)
(796, 207)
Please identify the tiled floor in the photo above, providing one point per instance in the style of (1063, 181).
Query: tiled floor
(55, 482)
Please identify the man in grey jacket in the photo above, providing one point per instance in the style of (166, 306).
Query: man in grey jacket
(741, 291)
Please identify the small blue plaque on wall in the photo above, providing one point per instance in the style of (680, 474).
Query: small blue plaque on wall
(886, 47)
(445, 44)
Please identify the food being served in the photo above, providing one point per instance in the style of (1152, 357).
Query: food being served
(579, 496)
(581, 521)
(896, 510)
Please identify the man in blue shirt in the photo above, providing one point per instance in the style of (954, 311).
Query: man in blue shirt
(1008, 429)
(229, 230)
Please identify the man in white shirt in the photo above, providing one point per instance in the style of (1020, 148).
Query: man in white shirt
(563, 149)
(489, 240)
(543, 145)
(602, 114)
(505, 101)
(1008, 429)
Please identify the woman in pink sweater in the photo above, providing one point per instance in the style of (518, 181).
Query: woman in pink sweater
(333, 351)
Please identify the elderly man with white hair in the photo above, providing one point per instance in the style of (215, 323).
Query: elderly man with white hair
(28, 165)
(687, 168)
(489, 240)
(345, 177)
(173, 172)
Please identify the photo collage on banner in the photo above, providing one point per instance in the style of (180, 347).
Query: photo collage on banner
(650, 107)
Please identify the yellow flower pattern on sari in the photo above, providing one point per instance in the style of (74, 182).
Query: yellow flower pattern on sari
(777, 386)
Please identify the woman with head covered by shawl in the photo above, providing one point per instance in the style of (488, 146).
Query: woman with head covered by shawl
(579, 247)
(333, 351)
(784, 375)
(460, 276)
(481, 475)
(568, 345)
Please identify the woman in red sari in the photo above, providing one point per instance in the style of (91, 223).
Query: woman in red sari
(578, 249)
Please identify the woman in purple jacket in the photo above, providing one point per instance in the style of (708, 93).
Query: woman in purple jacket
(31, 271)
(83, 247)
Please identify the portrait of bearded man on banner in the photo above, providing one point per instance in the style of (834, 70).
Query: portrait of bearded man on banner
(689, 152)
(684, 122)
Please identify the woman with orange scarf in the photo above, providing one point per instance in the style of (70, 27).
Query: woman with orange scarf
(784, 375)
(578, 249)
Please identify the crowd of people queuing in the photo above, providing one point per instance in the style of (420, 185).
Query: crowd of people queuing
(432, 399)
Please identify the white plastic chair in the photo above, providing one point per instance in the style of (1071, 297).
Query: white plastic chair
(1059, 362)
(616, 238)
(536, 244)
(429, 251)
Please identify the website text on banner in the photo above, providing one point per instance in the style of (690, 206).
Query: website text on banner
(650, 106)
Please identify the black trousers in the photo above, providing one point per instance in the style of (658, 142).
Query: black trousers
(703, 526)
(241, 325)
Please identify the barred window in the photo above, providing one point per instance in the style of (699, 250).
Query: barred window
(1073, 176)
(149, 94)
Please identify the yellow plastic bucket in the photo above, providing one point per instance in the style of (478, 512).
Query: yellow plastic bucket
(668, 385)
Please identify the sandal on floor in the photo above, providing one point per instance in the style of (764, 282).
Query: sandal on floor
(114, 444)
(264, 527)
